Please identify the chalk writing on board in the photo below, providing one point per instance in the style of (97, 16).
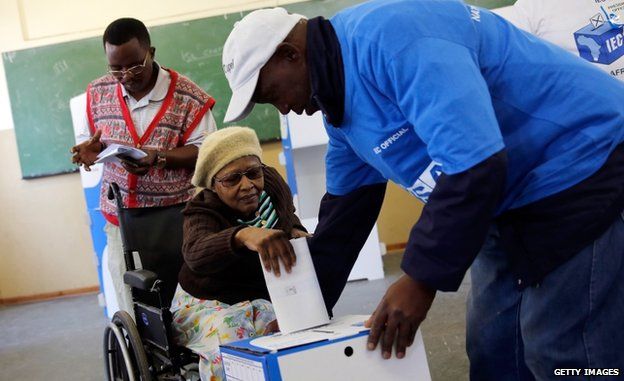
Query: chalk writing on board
(60, 67)
(190, 57)
(10, 56)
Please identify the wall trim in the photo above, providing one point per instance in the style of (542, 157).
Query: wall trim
(49, 295)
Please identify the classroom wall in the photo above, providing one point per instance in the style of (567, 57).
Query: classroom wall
(45, 246)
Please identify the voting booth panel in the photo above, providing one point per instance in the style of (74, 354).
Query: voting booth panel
(305, 143)
(91, 182)
(369, 264)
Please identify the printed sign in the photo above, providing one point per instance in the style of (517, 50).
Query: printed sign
(602, 39)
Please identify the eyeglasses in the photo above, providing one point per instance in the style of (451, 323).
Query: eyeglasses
(234, 178)
(134, 70)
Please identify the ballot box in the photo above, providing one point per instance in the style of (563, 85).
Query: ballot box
(336, 351)
(599, 42)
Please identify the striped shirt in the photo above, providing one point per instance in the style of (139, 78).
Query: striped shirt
(266, 216)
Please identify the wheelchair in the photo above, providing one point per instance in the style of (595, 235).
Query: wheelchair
(143, 348)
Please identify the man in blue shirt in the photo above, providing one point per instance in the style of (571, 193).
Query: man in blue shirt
(514, 145)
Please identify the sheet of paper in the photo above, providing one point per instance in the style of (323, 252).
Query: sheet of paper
(336, 329)
(296, 297)
(345, 325)
(113, 151)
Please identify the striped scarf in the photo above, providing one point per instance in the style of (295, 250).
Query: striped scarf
(266, 216)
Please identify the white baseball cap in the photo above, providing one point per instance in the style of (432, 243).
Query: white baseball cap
(248, 48)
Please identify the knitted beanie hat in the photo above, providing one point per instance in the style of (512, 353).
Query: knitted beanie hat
(222, 147)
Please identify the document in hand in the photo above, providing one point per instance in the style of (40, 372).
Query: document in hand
(296, 297)
(113, 151)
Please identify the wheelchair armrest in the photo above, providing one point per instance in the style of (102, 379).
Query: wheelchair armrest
(141, 279)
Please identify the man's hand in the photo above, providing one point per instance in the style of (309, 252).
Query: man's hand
(398, 316)
(86, 152)
(271, 244)
(142, 166)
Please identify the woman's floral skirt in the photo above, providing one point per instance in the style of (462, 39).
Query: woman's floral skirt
(202, 325)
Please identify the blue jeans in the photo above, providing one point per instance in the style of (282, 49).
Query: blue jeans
(573, 319)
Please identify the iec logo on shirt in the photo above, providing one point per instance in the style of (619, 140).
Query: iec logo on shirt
(599, 42)
(425, 183)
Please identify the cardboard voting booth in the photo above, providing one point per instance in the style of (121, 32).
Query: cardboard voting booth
(336, 351)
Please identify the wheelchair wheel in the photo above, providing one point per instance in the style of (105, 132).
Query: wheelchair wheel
(124, 355)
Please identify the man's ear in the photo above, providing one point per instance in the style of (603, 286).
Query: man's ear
(288, 51)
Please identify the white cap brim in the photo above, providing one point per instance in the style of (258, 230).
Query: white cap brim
(241, 105)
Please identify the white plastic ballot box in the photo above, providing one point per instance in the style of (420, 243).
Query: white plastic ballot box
(332, 352)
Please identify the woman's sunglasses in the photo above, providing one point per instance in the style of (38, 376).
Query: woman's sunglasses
(232, 179)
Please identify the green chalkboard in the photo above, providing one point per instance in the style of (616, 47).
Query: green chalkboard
(41, 81)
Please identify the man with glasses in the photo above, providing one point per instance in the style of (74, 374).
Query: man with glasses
(142, 105)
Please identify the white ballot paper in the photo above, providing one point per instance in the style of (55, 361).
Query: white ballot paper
(113, 151)
(338, 328)
(296, 297)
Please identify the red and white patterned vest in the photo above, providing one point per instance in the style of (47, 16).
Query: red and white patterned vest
(182, 109)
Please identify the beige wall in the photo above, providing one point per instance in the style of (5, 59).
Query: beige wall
(45, 244)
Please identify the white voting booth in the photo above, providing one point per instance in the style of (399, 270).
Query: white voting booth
(91, 181)
(305, 144)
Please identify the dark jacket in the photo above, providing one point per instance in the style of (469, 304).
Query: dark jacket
(213, 269)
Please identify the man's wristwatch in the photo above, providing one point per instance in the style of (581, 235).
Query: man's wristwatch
(161, 159)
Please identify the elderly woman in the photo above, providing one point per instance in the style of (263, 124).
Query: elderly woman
(240, 219)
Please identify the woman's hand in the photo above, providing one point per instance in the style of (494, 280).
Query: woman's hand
(272, 327)
(297, 233)
(271, 244)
